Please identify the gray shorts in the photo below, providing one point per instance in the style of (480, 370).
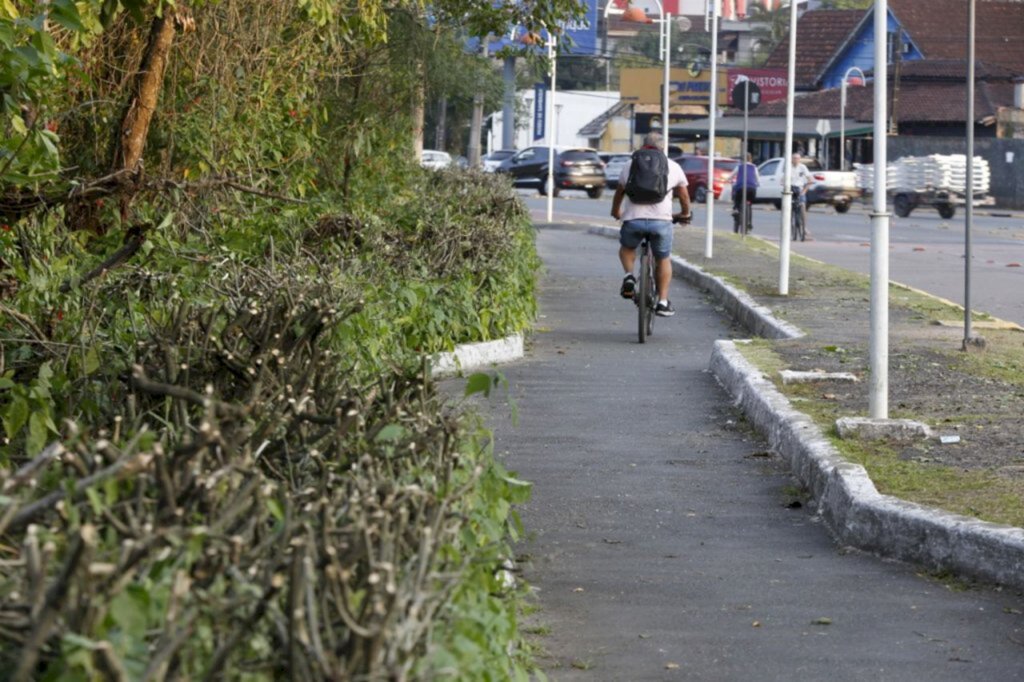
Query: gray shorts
(660, 232)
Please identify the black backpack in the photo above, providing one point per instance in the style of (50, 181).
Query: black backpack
(648, 177)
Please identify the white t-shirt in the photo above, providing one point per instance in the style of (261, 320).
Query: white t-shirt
(659, 211)
(801, 175)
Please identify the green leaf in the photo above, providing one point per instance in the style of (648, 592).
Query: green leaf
(16, 416)
(480, 383)
(92, 361)
(65, 13)
(275, 509)
(128, 611)
(391, 432)
(37, 433)
(94, 500)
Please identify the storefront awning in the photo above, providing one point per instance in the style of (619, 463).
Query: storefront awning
(770, 127)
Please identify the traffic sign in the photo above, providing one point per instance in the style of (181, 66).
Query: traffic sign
(746, 91)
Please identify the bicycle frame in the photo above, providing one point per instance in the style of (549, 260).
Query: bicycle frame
(798, 216)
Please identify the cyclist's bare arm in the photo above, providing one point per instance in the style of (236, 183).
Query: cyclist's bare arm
(684, 203)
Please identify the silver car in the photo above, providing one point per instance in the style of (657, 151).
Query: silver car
(435, 160)
(494, 159)
(614, 164)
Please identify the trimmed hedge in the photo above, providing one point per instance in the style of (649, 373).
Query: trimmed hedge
(225, 458)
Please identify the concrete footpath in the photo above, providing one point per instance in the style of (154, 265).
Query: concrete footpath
(666, 542)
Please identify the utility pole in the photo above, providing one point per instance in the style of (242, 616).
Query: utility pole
(442, 122)
(508, 110)
(476, 123)
(878, 397)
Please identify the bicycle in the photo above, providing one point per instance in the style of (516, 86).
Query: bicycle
(798, 217)
(748, 224)
(646, 295)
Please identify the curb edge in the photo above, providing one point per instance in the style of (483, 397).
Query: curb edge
(470, 356)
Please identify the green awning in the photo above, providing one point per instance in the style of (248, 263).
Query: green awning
(770, 127)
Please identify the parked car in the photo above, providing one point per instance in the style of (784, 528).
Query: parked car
(696, 168)
(575, 168)
(494, 159)
(435, 160)
(613, 164)
(835, 188)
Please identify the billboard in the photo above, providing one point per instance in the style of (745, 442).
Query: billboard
(643, 86)
(580, 36)
(773, 82)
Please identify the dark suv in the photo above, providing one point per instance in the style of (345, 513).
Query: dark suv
(696, 169)
(575, 168)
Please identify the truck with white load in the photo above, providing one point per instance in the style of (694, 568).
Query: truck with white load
(938, 180)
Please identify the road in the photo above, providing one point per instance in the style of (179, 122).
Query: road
(926, 251)
(665, 542)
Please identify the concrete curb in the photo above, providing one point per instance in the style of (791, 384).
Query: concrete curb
(849, 502)
(847, 499)
(476, 355)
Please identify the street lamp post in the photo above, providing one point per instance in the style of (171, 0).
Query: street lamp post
(713, 117)
(664, 48)
(552, 56)
(549, 111)
(842, 111)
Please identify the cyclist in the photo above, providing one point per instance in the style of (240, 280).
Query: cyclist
(800, 181)
(650, 219)
(745, 177)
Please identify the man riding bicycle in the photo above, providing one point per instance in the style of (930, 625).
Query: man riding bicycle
(745, 180)
(800, 181)
(645, 215)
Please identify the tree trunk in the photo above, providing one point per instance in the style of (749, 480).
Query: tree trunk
(418, 109)
(146, 90)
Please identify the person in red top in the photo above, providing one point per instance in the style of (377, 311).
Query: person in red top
(654, 220)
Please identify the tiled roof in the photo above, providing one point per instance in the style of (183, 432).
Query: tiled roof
(820, 35)
(939, 29)
(923, 100)
(953, 69)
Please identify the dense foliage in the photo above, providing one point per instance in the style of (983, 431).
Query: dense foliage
(221, 276)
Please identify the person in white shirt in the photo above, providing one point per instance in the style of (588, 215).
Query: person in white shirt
(800, 181)
(654, 220)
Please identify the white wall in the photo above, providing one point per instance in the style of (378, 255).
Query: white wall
(576, 108)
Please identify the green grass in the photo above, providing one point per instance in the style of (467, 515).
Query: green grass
(978, 494)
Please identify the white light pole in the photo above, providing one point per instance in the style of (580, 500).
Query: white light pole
(550, 116)
(842, 112)
(713, 111)
(664, 48)
(969, 206)
(787, 174)
(879, 344)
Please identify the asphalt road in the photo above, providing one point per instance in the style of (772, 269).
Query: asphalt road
(926, 251)
(665, 543)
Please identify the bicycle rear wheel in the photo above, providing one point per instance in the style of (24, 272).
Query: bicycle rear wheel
(645, 295)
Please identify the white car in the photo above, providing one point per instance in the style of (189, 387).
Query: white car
(435, 160)
(494, 159)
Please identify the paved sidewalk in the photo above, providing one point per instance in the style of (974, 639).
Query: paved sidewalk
(666, 542)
